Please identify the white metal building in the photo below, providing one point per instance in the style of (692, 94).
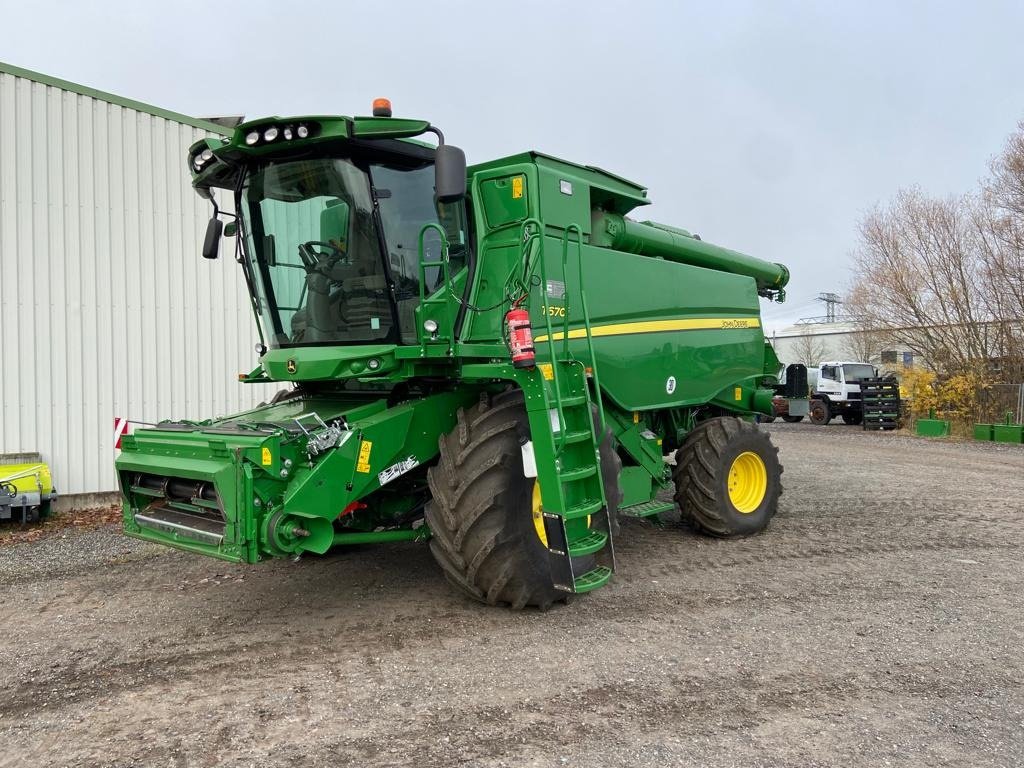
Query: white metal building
(832, 341)
(106, 307)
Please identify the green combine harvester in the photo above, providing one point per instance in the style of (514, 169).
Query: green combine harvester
(493, 359)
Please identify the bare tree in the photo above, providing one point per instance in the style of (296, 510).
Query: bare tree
(810, 350)
(1000, 223)
(865, 345)
(918, 279)
(945, 278)
(1005, 187)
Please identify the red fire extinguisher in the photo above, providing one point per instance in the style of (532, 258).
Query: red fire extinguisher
(520, 338)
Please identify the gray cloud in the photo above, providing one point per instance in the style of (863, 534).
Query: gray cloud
(766, 127)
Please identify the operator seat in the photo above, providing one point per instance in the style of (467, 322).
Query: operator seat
(322, 317)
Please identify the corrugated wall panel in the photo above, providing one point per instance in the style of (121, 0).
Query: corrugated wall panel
(106, 308)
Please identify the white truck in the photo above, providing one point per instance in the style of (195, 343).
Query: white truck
(835, 390)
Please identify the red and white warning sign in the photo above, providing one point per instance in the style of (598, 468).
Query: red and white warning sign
(121, 429)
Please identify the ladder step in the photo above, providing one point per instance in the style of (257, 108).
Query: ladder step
(569, 402)
(647, 508)
(578, 436)
(580, 473)
(589, 544)
(593, 579)
(589, 507)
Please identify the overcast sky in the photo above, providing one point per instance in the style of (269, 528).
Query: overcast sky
(766, 127)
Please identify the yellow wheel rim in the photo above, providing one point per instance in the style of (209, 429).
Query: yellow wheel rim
(748, 482)
(538, 516)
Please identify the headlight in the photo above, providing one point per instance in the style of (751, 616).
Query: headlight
(430, 326)
(271, 133)
(252, 138)
(207, 155)
(287, 133)
(302, 131)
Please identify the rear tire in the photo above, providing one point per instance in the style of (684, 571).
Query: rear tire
(792, 419)
(480, 515)
(821, 413)
(708, 464)
(853, 418)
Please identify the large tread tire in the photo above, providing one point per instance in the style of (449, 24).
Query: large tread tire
(701, 476)
(611, 468)
(480, 514)
(853, 418)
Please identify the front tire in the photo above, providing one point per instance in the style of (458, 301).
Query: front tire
(854, 417)
(728, 478)
(481, 513)
(792, 419)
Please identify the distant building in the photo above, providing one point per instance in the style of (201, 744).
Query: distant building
(835, 341)
(106, 308)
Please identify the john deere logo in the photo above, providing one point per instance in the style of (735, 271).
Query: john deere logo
(291, 366)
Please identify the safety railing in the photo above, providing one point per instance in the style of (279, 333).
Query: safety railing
(447, 294)
(586, 317)
(532, 238)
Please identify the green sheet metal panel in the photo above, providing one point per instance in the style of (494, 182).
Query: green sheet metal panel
(665, 334)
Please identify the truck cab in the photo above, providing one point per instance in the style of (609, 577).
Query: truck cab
(835, 390)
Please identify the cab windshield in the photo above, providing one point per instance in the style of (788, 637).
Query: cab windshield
(332, 246)
(854, 372)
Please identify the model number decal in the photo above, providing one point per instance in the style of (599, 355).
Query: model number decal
(397, 470)
(556, 311)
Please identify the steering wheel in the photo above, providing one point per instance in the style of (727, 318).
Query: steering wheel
(313, 260)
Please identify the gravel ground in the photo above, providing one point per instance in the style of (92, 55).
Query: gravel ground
(877, 622)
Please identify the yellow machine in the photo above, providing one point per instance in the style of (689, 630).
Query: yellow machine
(26, 490)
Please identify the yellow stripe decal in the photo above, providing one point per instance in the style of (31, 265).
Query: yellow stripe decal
(660, 326)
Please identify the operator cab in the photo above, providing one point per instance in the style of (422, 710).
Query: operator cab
(332, 216)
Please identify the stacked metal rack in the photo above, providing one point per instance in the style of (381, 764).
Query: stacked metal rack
(881, 403)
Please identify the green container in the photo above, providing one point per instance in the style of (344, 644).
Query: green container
(932, 428)
(1008, 433)
(983, 431)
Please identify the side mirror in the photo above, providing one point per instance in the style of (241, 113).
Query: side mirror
(211, 245)
(449, 173)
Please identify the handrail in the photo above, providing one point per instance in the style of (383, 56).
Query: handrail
(586, 320)
(444, 264)
(528, 270)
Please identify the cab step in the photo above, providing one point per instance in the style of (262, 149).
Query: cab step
(580, 473)
(592, 579)
(589, 507)
(589, 544)
(578, 436)
(647, 508)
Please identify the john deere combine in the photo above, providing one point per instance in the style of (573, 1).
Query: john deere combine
(494, 359)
